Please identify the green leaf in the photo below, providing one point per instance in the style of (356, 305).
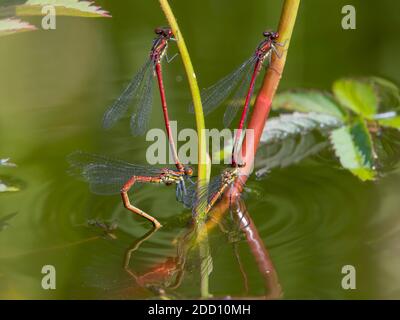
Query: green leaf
(308, 101)
(353, 146)
(391, 123)
(10, 26)
(287, 125)
(357, 96)
(63, 8)
(388, 92)
(287, 152)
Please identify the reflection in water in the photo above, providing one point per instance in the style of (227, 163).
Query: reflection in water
(260, 253)
(167, 275)
(165, 278)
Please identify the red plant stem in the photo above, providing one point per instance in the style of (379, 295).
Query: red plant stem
(262, 106)
(257, 123)
(260, 253)
(245, 110)
(171, 140)
(270, 84)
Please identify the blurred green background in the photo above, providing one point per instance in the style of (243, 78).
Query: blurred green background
(314, 218)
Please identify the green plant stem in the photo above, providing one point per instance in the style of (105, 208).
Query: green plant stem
(203, 165)
(194, 89)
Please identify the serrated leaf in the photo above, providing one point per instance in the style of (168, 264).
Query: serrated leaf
(287, 152)
(308, 101)
(353, 147)
(357, 96)
(388, 92)
(391, 123)
(10, 26)
(287, 125)
(63, 8)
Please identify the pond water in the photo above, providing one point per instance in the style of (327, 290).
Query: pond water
(313, 217)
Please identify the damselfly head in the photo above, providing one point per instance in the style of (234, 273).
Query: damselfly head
(188, 171)
(270, 34)
(241, 165)
(166, 32)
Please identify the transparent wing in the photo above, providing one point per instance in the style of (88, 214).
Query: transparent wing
(237, 101)
(198, 198)
(120, 106)
(106, 175)
(213, 96)
(140, 116)
(194, 194)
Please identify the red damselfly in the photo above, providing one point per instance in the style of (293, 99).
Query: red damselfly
(112, 176)
(139, 93)
(243, 80)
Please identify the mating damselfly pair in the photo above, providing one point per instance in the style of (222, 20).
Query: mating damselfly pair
(109, 176)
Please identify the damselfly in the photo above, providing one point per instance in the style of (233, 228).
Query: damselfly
(140, 92)
(203, 199)
(243, 80)
(111, 176)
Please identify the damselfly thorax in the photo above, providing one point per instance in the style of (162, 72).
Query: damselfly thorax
(160, 44)
(169, 176)
(267, 46)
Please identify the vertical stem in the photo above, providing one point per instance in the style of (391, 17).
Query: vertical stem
(194, 88)
(202, 172)
(206, 265)
(265, 265)
(262, 105)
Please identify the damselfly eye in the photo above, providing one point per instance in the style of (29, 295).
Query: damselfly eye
(168, 33)
(241, 165)
(266, 33)
(189, 171)
(275, 35)
(158, 31)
